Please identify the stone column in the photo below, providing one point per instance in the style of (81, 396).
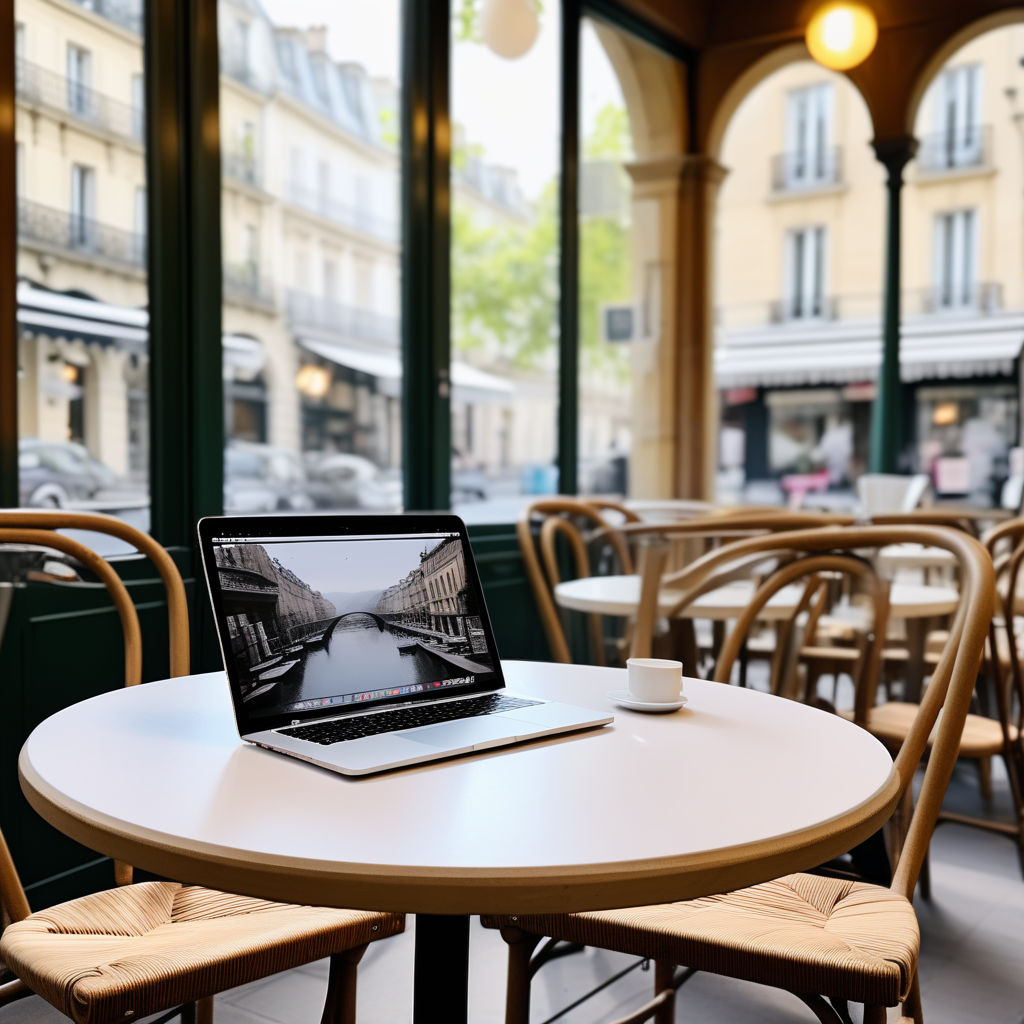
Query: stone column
(674, 409)
(887, 434)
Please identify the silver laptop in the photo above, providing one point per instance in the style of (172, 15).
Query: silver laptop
(361, 643)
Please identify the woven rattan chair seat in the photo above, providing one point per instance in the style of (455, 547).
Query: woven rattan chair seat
(140, 948)
(806, 933)
(890, 722)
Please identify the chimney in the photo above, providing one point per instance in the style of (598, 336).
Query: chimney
(316, 39)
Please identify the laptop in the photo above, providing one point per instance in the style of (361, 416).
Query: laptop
(361, 643)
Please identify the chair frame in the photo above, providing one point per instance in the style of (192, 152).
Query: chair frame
(951, 691)
(39, 528)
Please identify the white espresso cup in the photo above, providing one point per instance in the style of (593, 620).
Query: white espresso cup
(655, 680)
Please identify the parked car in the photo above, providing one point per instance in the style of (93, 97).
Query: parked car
(59, 474)
(260, 478)
(334, 479)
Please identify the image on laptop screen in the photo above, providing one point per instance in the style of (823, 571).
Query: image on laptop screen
(336, 621)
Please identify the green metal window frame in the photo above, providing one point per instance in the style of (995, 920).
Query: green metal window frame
(183, 195)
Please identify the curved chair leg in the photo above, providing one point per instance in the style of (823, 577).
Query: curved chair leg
(340, 1005)
(664, 974)
(204, 1010)
(912, 1004)
(822, 1010)
(517, 993)
(874, 1015)
(985, 778)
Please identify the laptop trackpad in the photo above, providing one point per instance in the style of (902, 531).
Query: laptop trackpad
(470, 732)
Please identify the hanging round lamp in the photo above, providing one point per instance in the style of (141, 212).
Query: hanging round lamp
(842, 34)
(509, 27)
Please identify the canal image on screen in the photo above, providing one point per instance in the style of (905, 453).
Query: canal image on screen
(339, 621)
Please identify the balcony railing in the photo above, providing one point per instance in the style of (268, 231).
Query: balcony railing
(305, 310)
(126, 13)
(237, 66)
(38, 86)
(818, 307)
(351, 216)
(244, 286)
(969, 146)
(807, 169)
(983, 297)
(241, 167)
(75, 233)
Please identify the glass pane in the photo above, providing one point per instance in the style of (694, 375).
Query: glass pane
(504, 273)
(310, 232)
(611, 311)
(83, 326)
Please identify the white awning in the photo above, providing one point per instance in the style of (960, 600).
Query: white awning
(243, 353)
(836, 355)
(59, 315)
(468, 383)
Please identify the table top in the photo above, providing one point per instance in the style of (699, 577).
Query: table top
(916, 556)
(620, 595)
(736, 788)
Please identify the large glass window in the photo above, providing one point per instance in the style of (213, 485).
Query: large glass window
(82, 289)
(504, 268)
(310, 226)
(615, 303)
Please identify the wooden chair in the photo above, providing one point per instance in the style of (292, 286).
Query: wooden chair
(574, 522)
(139, 949)
(827, 940)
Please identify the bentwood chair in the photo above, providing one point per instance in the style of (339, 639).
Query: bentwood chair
(143, 948)
(555, 529)
(828, 940)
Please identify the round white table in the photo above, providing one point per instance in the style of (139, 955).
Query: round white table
(648, 809)
(620, 595)
(915, 556)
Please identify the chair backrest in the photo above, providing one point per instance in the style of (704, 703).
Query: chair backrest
(541, 525)
(891, 492)
(1005, 544)
(38, 528)
(952, 683)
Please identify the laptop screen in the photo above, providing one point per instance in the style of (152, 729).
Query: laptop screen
(315, 624)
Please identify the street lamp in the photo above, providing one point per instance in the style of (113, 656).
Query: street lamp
(841, 34)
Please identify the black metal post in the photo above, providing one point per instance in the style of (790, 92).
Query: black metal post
(426, 255)
(569, 254)
(886, 428)
(441, 971)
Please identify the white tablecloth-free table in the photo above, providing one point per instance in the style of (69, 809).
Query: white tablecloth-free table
(653, 807)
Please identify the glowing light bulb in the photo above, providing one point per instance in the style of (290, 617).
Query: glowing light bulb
(841, 35)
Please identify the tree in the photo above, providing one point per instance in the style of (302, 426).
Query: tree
(505, 275)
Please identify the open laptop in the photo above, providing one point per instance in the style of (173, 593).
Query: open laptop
(361, 642)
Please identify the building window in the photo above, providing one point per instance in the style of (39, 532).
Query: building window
(810, 158)
(138, 106)
(140, 223)
(79, 80)
(958, 136)
(956, 248)
(83, 205)
(805, 274)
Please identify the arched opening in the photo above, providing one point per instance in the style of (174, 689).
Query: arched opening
(798, 273)
(963, 263)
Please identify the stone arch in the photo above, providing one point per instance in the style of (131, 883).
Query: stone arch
(653, 88)
(373, 615)
(945, 49)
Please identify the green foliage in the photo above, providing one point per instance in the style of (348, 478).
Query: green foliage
(504, 274)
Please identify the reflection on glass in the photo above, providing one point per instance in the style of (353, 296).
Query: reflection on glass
(82, 291)
(608, 311)
(310, 234)
(504, 269)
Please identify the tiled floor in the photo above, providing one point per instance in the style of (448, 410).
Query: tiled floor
(972, 965)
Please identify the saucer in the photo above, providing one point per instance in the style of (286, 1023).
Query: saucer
(624, 699)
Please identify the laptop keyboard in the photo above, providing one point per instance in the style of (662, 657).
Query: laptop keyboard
(341, 729)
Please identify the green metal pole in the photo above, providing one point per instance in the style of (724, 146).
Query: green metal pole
(886, 427)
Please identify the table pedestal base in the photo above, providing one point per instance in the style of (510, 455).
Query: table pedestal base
(441, 975)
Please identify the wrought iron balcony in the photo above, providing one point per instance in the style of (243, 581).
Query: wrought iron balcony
(37, 86)
(807, 169)
(236, 65)
(74, 233)
(244, 286)
(982, 297)
(241, 167)
(305, 310)
(126, 13)
(351, 216)
(811, 308)
(969, 146)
